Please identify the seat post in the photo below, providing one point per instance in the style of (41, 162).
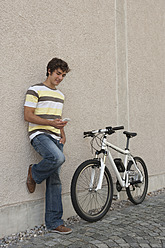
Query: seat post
(129, 135)
(127, 144)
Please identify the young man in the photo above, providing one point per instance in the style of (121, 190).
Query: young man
(43, 110)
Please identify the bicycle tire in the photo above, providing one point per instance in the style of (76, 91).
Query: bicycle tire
(137, 192)
(89, 204)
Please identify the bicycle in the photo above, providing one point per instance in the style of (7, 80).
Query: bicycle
(92, 185)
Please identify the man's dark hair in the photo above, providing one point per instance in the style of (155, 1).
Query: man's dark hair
(56, 63)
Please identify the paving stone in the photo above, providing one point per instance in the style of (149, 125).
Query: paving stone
(155, 245)
(110, 243)
(145, 246)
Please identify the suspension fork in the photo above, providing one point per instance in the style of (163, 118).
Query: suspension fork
(102, 167)
(102, 161)
(101, 175)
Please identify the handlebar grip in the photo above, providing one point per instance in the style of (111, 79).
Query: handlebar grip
(118, 128)
(86, 133)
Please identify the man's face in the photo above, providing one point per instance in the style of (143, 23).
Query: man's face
(56, 77)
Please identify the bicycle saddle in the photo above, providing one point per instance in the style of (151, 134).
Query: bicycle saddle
(129, 134)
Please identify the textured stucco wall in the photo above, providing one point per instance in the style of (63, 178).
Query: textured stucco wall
(147, 80)
(115, 50)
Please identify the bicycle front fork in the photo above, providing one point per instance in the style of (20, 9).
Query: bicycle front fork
(101, 175)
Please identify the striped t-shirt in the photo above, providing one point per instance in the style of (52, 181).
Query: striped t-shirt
(48, 104)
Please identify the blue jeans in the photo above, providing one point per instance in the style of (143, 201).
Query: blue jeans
(52, 152)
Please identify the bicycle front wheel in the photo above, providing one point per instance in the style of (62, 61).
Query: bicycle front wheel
(137, 190)
(91, 204)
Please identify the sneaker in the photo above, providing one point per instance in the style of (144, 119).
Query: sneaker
(62, 230)
(31, 184)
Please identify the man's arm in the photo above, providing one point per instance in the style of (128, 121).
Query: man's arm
(31, 117)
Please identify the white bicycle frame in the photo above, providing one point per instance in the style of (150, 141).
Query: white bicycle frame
(122, 180)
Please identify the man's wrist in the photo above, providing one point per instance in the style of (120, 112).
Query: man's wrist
(50, 123)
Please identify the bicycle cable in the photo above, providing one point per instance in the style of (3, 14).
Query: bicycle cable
(96, 138)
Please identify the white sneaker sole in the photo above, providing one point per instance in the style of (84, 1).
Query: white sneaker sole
(63, 233)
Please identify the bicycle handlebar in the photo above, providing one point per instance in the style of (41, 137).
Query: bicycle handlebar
(107, 130)
(118, 128)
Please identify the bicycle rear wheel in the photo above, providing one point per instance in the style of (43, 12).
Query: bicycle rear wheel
(89, 204)
(137, 191)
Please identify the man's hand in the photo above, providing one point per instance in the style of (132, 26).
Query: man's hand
(63, 140)
(58, 123)
(63, 137)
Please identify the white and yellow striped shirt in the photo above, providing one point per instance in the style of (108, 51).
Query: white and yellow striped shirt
(48, 104)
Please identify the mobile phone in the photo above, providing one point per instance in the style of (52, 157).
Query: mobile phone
(66, 119)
